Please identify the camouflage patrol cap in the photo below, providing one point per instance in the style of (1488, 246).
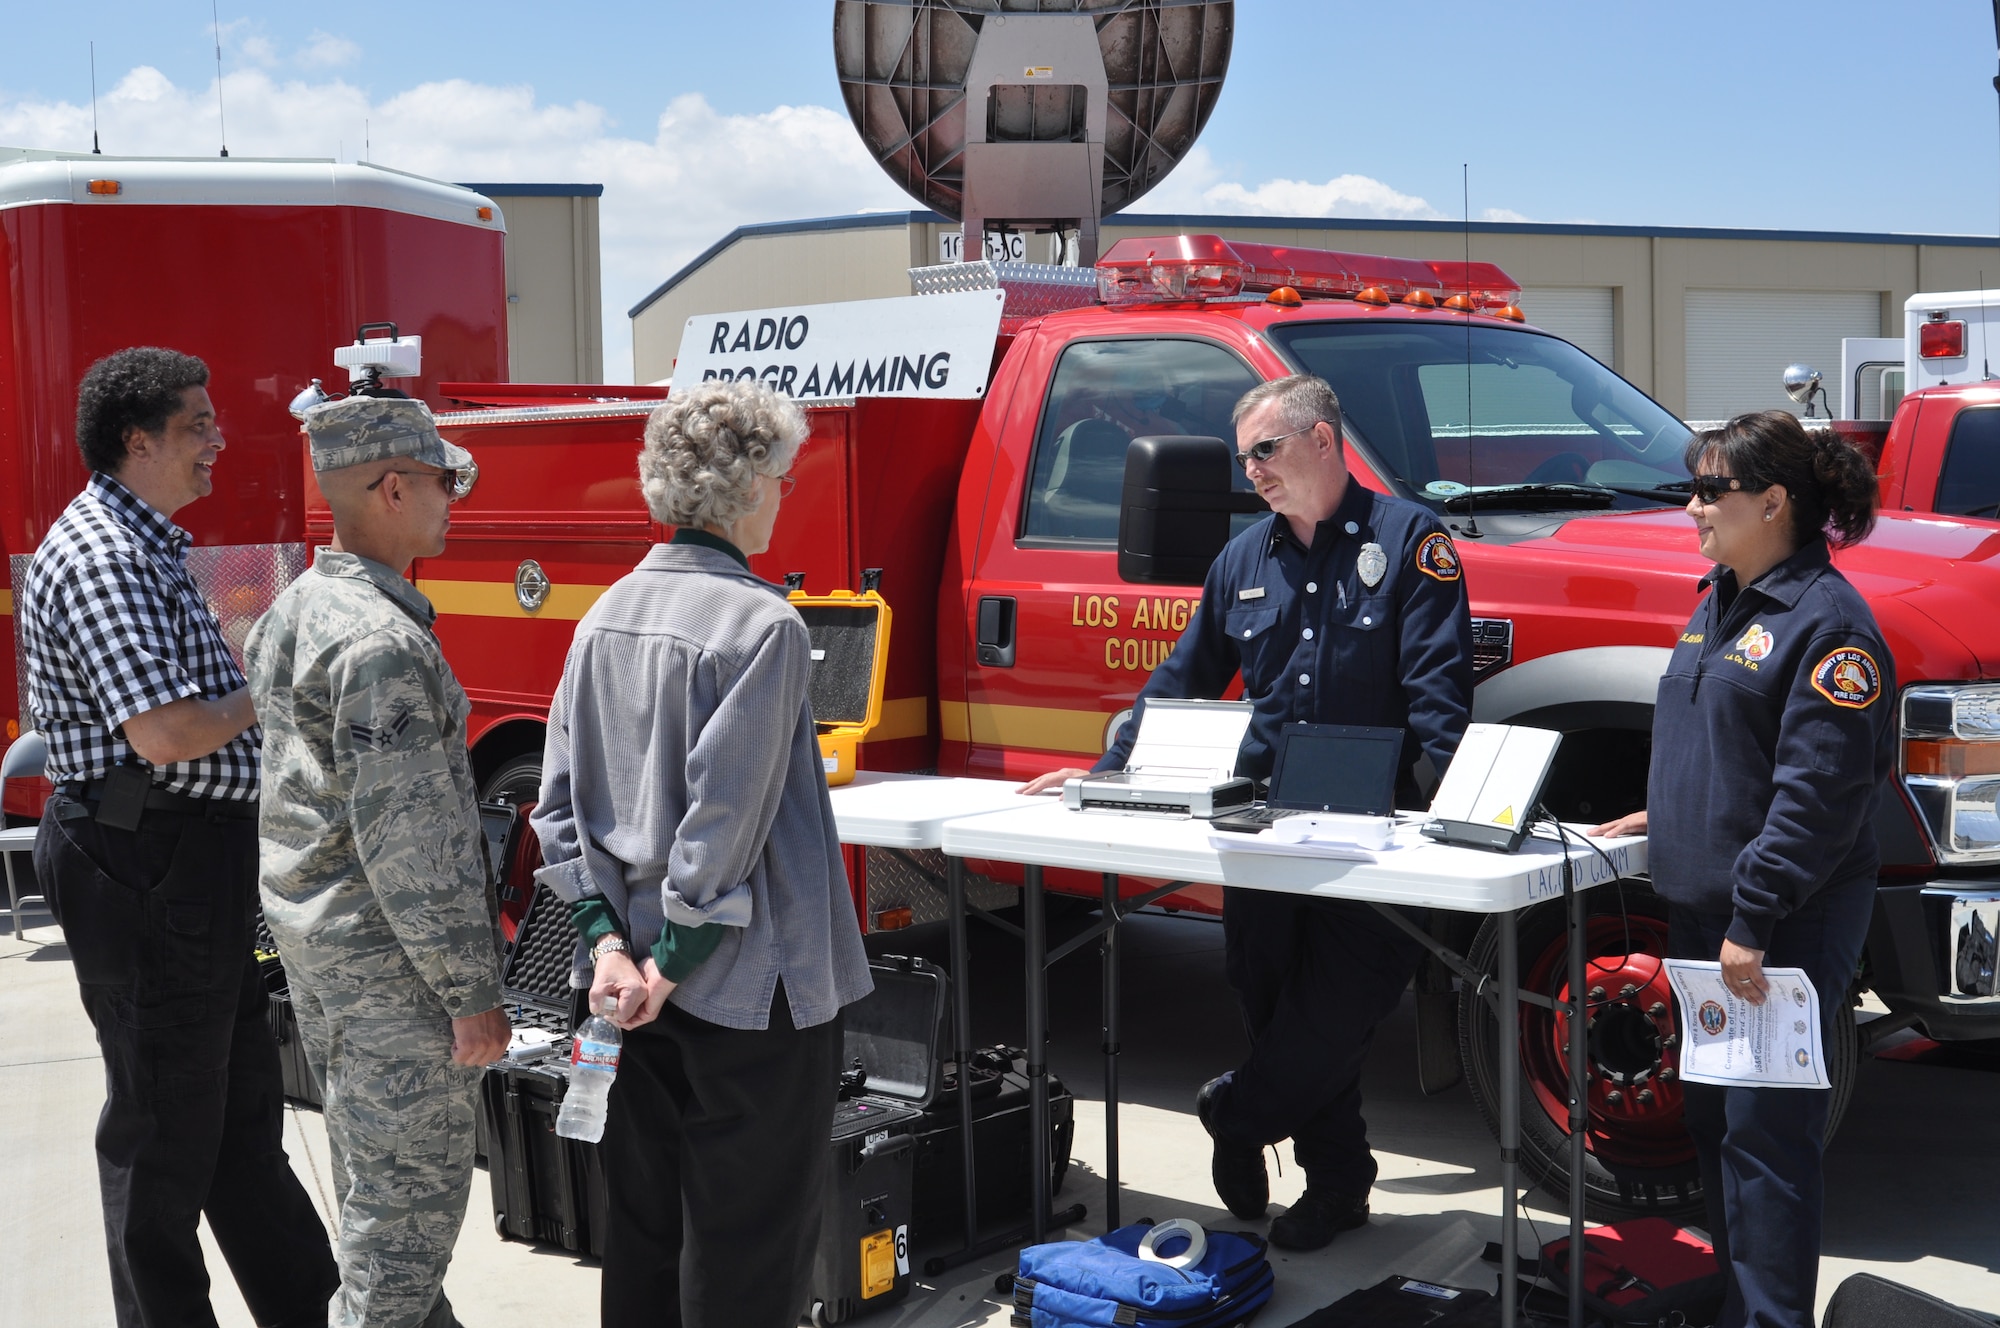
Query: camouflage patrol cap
(356, 430)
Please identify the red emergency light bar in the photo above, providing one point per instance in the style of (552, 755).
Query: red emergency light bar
(1179, 269)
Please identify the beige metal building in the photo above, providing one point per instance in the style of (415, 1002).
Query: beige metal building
(555, 303)
(1704, 319)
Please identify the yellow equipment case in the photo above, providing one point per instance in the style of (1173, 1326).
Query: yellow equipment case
(850, 653)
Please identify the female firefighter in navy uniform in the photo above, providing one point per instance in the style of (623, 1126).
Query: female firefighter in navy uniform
(1773, 732)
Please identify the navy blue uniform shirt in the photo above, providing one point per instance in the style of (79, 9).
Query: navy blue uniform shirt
(1774, 730)
(1316, 642)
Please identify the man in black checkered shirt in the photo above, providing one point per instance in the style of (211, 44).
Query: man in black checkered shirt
(149, 853)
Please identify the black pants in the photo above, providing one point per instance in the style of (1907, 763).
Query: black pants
(715, 1152)
(1314, 977)
(158, 922)
(1760, 1149)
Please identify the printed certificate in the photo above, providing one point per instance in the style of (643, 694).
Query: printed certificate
(1727, 1040)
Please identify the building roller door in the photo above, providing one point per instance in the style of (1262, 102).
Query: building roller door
(1739, 342)
(1580, 315)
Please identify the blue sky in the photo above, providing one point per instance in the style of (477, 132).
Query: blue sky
(1836, 115)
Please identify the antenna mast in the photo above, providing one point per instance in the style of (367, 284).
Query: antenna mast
(1471, 527)
(223, 124)
(97, 151)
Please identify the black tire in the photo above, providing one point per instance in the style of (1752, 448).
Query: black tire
(1640, 1161)
(516, 779)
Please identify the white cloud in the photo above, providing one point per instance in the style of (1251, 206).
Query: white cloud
(1503, 214)
(323, 50)
(666, 197)
(258, 50)
(1197, 185)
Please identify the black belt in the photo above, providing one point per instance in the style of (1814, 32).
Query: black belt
(161, 800)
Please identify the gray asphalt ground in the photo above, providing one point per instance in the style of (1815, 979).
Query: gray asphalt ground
(1912, 1177)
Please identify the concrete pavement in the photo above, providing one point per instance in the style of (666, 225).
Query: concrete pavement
(1911, 1177)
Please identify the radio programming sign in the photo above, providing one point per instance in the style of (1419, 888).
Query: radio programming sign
(910, 346)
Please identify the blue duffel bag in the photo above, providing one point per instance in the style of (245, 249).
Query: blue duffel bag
(1104, 1283)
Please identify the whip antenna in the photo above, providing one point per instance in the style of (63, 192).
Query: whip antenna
(97, 151)
(1471, 477)
(221, 123)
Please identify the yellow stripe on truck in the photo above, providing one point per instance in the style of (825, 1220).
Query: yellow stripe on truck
(495, 599)
(906, 717)
(1080, 731)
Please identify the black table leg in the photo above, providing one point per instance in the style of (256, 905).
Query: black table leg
(961, 1021)
(1509, 1015)
(1037, 944)
(1111, 1050)
(1579, 1088)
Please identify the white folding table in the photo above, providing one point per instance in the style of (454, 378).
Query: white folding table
(1418, 874)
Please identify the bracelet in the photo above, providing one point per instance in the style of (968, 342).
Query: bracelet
(611, 943)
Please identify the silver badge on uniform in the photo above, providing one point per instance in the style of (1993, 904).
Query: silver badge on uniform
(1371, 563)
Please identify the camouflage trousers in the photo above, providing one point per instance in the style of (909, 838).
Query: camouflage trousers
(399, 1126)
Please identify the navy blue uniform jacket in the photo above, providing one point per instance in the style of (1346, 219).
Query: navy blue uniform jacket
(1315, 642)
(1774, 730)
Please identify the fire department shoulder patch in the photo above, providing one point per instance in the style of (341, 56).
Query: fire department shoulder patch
(1436, 558)
(1848, 677)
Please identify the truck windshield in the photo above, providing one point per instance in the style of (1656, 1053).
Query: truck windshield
(1510, 419)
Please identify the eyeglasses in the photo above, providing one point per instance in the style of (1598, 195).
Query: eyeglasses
(450, 479)
(786, 483)
(1710, 488)
(1262, 451)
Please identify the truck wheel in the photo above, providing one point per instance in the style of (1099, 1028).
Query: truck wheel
(516, 779)
(1639, 1160)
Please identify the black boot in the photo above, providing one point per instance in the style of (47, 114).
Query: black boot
(1316, 1219)
(1237, 1169)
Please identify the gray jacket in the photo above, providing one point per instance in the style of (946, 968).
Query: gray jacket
(682, 779)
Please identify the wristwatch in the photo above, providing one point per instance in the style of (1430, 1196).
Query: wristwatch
(610, 943)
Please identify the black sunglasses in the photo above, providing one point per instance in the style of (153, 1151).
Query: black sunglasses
(448, 478)
(1710, 488)
(1264, 449)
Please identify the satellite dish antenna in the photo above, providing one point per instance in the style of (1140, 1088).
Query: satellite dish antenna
(1801, 381)
(1039, 119)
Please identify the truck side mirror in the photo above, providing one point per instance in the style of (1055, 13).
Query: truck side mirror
(1173, 518)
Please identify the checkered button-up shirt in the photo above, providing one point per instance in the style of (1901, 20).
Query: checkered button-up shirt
(112, 625)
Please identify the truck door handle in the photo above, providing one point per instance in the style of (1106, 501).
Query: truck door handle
(996, 631)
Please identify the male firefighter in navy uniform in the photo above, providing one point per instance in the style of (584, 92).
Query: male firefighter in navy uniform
(1346, 607)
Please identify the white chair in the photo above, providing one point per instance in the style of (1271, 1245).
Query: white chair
(23, 760)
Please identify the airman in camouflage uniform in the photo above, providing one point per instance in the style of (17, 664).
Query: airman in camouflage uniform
(373, 874)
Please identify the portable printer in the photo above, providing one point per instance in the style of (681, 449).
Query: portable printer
(1182, 764)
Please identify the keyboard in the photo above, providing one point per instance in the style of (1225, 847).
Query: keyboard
(1252, 820)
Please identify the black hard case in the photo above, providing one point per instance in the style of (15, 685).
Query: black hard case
(1000, 1141)
(889, 1041)
(293, 1068)
(545, 1187)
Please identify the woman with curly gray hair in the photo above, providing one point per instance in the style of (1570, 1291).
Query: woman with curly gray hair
(684, 816)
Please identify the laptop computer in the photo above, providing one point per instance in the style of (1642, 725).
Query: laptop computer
(1326, 768)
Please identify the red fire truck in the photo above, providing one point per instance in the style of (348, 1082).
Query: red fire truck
(1018, 645)
(258, 267)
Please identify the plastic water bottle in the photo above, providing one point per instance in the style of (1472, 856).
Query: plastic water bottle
(593, 1060)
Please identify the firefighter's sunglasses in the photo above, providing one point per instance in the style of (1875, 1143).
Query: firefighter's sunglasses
(1710, 488)
(1264, 449)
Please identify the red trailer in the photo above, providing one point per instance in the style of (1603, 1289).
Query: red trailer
(258, 267)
